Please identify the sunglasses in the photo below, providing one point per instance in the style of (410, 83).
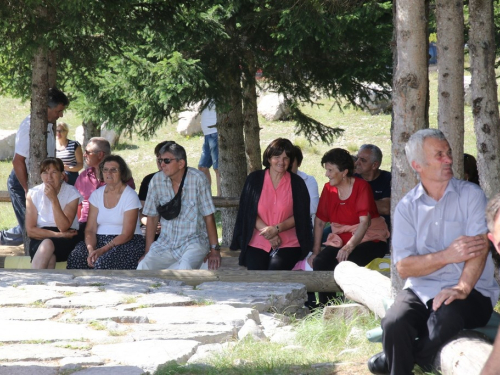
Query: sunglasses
(165, 160)
(60, 131)
(90, 152)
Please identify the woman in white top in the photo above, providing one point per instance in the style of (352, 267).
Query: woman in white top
(51, 221)
(113, 239)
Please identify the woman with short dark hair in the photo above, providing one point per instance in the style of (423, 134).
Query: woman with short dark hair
(113, 239)
(273, 227)
(51, 222)
(359, 233)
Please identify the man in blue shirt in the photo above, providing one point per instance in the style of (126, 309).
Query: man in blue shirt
(440, 248)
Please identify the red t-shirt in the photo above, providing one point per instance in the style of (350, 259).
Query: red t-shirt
(347, 212)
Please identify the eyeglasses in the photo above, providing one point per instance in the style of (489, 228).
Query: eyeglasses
(60, 131)
(110, 170)
(165, 160)
(90, 152)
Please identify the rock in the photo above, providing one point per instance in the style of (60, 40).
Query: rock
(190, 121)
(467, 91)
(111, 370)
(147, 354)
(7, 144)
(250, 328)
(110, 134)
(375, 103)
(35, 352)
(79, 135)
(345, 312)
(27, 368)
(204, 352)
(28, 313)
(26, 295)
(273, 107)
(111, 314)
(285, 335)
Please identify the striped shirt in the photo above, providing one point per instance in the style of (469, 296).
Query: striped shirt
(67, 155)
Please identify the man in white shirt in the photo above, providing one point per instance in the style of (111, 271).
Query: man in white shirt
(17, 183)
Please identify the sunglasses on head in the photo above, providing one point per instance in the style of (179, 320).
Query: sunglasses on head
(165, 160)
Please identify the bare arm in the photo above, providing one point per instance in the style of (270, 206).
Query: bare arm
(384, 206)
(91, 227)
(492, 365)
(462, 249)
(19, 166)
(213, 256)
(319, 226)
(79, 161)
(151, 225)
(63, 218)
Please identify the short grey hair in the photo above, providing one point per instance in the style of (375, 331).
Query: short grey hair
(102, 145)
(415, 145)
(175, 149)
(375, 151)
(492, 212)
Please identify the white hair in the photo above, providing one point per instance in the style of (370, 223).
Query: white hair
(414, 148)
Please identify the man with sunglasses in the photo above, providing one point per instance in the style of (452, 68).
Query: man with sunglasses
(88, 181)
(17, 183)
(188, 234)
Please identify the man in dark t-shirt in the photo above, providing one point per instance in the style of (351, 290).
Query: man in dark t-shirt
(367, 166)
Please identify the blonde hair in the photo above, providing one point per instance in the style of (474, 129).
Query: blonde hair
(64, 126)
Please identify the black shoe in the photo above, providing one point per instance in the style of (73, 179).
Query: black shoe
(378, 364)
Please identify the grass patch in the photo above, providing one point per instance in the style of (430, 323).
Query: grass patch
(98, 326)
(38, 303)
(127, 300)
(318, 348)
(68, 293)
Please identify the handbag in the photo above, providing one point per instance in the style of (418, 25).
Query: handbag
(172, 209)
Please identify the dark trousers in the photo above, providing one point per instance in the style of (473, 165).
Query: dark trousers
(284, 260)
(14, 236)
(362, 254)
(409, 319)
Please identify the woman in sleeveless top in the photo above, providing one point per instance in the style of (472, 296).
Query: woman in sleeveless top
(70, 152)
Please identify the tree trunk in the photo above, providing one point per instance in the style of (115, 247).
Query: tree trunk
(52, 68)
(410, 91)
(231, 151)
(251, 119)
(484, 94)
(38, 127)
(450, 46)
(90, 130)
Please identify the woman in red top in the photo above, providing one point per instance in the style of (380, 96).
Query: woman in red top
(359, 234)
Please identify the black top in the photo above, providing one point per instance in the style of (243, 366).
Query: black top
(143, 190)
(247, 213)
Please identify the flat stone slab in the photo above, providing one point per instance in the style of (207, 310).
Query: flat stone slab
(8, 278)
(18, 331)
(202, 333)
(26, 295)
(28, 313)
(111, 370)
(279, 297)
(35, 352)
(28, 368)
(118, 316)
(160, 299)
(147, 354)
(97, 299)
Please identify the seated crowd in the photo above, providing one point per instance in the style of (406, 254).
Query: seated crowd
(439, 235)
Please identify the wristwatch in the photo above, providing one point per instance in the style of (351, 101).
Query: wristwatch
(215, 247)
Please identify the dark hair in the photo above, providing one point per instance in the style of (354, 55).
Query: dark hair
(470, 169)
(125, 173)
(298, 155)
(175, 149)
(57, 97)
(159, 146)
(276, 148)
(47, 162)
(341, 158)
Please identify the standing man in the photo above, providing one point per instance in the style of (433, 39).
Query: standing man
(367, 166)
(210, 150)
(88, 181)
(440, 248)
(17, 183)
(188, 234)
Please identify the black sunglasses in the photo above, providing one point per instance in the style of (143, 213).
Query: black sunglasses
(165, 160)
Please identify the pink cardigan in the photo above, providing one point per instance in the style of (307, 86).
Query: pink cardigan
(377, 231)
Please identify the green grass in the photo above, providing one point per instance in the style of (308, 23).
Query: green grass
(317, 342)
(360, 127)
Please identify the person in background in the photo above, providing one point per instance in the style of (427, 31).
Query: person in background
(359, 233)
(143, 190)
(210, 150)
(273, 225)
(181, 198)
(311, 184)
(88, 181)
(113, 239)
(470, 169)
(51, 221)
(440, 247)
(70, 152)
(17, 183)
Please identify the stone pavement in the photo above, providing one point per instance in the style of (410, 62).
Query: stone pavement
(54, 324)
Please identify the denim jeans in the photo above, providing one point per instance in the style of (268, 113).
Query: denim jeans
(14, 236)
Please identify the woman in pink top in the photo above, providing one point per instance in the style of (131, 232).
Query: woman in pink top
(273, 228)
